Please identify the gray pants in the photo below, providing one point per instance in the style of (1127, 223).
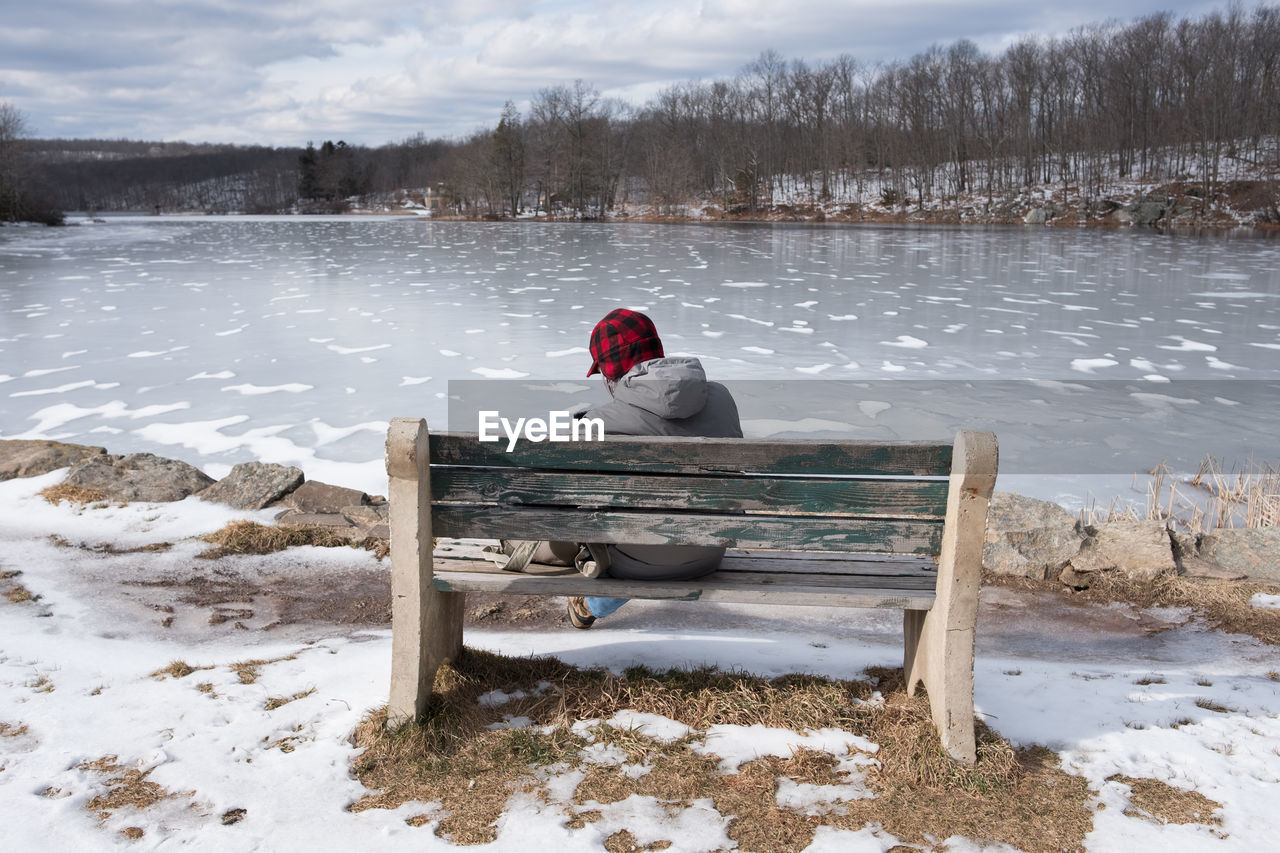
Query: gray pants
(641, 562)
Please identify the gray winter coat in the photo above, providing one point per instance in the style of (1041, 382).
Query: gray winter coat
(667, 396)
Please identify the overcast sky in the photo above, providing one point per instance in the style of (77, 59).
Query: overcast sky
(375, 71)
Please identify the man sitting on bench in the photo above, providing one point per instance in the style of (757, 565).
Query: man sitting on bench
(652, 395)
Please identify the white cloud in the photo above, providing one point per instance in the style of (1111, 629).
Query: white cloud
(378, 70)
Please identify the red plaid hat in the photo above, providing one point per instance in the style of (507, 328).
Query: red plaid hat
(620, 341)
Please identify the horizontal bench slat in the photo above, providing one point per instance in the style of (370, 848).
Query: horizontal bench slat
(901, 572)
(469, 553)
(761, 532)
(700, 455)
(759, 562)
(728, 592)
(473, 575)
(812, 496)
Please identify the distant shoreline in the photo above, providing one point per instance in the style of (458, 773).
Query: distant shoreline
(791, 216)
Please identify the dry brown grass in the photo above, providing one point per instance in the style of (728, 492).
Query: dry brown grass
(12, 729)
(1159, 802)
(177, 669)
(1223, 605)
(19, 594)
(247, 670)
(1016, 797)
(71, 494)
(250, 537)
(1215, 706)
(126, 788)
(280, 701)
(1244, 495)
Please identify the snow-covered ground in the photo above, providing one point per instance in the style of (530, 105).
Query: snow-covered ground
(78, 684)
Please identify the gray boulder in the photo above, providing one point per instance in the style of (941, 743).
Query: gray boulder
(254, 485)
(1191, 562)
(1252, 552)
(31, 458)
(314, 496)
(1028, 537)
(1141, 550)
(1038, 216)
(1146, 212)
(357, 523)
(296, 518)
(138, 477)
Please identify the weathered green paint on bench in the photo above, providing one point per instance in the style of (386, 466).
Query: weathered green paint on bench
(810, 495)
(763, 532)
(699, 455)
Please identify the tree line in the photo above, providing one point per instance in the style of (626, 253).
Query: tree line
(1158, 99)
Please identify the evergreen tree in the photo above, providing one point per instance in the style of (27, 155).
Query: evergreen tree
(507, 156)
(308, 181)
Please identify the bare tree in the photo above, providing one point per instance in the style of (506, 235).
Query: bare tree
(12, 128)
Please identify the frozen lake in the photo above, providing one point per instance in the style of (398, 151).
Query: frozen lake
(219, 340)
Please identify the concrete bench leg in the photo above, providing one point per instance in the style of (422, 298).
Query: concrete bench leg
(938, 643)
(426, 624)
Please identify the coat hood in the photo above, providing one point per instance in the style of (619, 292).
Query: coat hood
(668, 387)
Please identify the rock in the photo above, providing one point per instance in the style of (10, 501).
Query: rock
(1186, 553)
(1028, 537)
(1037, 216)
(138, 477)
(254, 485)
(31, 458)
(1252, 552)
(297, 518)
(366, 516)
(1146, 212)
(315, 496)
(1141, 550)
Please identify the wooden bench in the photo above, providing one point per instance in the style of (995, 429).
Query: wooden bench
(826, 523)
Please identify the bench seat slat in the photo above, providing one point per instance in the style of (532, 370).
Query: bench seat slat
(700, 455)
(813, 496)
(470, 555)
(761, 532)
(727, 587)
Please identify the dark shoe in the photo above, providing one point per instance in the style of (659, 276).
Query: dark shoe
(579, 615)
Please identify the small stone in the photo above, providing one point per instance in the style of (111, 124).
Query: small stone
(366, 516)
(297, 518)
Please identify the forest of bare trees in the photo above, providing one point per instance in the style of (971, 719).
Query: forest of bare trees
(1159, 100)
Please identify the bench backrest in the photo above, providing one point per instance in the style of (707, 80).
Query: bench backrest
(771, 494)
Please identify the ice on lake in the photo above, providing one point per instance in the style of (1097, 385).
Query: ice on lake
(223, 339)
